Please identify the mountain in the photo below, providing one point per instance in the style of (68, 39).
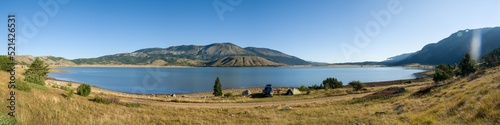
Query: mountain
(451, 49)
(242, 61)
(398, 58)
(192, 55)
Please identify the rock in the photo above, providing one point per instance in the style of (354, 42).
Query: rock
(399, 107)
(287, 108)
(400, 90)
(246, 93)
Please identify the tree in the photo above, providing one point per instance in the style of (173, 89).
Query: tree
(467, 65)
(491, 59)
(440, 75)
(4, 63)
(332, 83)
(37, 72)
(217, 88)
(357, 85)
(83, 90)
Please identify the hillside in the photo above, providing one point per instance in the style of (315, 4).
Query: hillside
(242, 61)
(49, 60)
(451, 49)
(194, 53)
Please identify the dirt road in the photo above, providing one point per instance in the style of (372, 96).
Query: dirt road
(244, 105)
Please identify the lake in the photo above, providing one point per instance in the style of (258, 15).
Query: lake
(188, 80)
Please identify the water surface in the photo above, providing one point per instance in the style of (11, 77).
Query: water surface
(187, 80)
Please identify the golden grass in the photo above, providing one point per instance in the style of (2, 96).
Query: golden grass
(463, 101)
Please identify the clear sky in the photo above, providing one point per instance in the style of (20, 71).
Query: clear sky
(314, 30)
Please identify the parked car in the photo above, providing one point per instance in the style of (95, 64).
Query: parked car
(268, 90)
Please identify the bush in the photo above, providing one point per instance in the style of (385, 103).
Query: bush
(83, 90)
(109, 100)
(332, 83)
(316, 87)
(228, 94)
(65, 88)
(357, 85)
(100, 99)
(23, 86)
(303, 88)
(4, 63)
(70, 94)
(7, 120)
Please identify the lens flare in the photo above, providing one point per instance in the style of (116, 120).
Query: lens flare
(475, 47)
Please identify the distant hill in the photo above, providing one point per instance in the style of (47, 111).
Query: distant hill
(192, 55)
(242, 61)
(49, 60)
(451, 49)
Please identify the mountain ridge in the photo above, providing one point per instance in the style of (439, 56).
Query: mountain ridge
(198, 55)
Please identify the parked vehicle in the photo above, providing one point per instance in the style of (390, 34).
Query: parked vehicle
(268, 90)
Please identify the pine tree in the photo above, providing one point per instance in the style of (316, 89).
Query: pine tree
(37, 72)
(217, 88)
(467, 65)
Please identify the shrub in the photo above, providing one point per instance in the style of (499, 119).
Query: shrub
(303, 88)
(316, 87)
(84, 90)
(100, 99)
(332, 83)
(23, 86)
(357, 85)
(65, 88)
(228, 94)
(7, 120)
(70, 94)
(69, 84)
(104, 100)
(4, 63)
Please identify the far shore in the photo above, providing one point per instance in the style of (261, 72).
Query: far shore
(424, 67)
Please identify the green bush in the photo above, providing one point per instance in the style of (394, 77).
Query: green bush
(4, 63)
(23, 86)
(357, 85)
(84, 90)
(104, 100)
(303, 88)
(100, 99)
(65, 88)
(70, 94)
(228, 94)
(7, 120)
(332, 83)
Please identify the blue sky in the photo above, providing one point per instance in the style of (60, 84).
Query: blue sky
(314, 30)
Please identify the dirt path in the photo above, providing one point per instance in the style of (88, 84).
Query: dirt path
(244, 105)
(252, 104)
